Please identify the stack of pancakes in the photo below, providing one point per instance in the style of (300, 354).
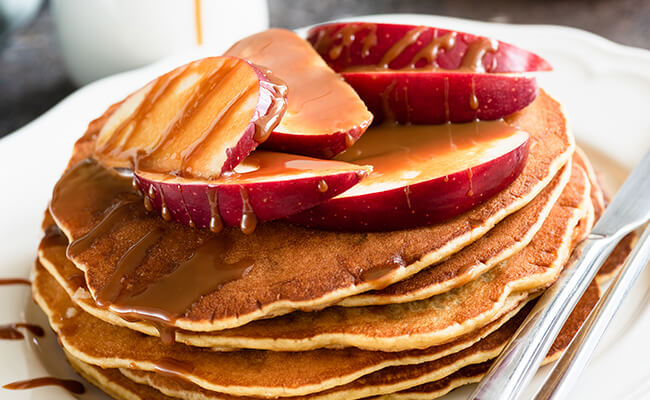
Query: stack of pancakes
(401, 314)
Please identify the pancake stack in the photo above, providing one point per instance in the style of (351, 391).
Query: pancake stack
(295, 312)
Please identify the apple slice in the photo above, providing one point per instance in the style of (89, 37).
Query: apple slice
(422, 75)
(198, 120)
(324, 115)
(422, 174)
(391, 46)
(265, 186)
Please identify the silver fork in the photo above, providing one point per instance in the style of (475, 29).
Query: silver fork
(514, 368)
(574, 360)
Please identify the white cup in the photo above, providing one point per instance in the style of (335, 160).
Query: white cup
(102, 37)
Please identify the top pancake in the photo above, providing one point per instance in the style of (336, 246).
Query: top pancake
(298, 268)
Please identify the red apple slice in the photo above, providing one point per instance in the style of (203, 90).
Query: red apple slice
(324, 115)
(265, 186)
(390, 46)
(423, 75)
(197, 120)
(435, 97)
(422, 174)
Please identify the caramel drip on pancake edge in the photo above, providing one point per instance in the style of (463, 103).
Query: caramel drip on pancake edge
(168, 298)
(70, 385)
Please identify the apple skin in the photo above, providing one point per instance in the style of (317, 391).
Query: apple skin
(428, 202)
(188, 202)
(418, 97)
(509, 58)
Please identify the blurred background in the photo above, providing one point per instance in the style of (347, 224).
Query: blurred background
(37, 67)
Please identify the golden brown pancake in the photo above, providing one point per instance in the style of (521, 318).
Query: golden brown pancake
(99, 343)
(432, 321)
(389, 379)
(424, 323)
(617, 258)
(330, 265)
(505, 239)
(597, 192)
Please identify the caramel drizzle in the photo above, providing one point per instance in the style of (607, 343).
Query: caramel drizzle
(126, 265)
(165, 300)
(389, 115)
(83, 243)
(349, 140)
(473, 100)
(407, 194)
(164, 210)
(71, 386)
(15, 281)
(265, 124)
(248, 217)
(322, 186)
(429, 53)
(473, 58)
(187, 210)
(470, 175)
(347, 36)
(216, 224)
(396, 49)
(9, 332)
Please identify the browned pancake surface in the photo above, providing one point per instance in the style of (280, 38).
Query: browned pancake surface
(301, 268)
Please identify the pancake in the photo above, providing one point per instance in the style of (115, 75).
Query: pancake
(597, 191)
(617, 258)
(424, 323)
(432, 321)
(505, 239)
(331, 266)
(391, 379)
(109, 346)
(508, 237)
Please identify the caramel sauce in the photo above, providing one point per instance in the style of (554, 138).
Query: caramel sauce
(381, 276)
(429, 53)
(473, 58)
(396, 49)
(401, 154)
(9, 332)
(470, 176)
(389, 115)
(346, 36)
(173, 368)
(248, 219)
(71, 386)
(407, 194)
(197, 22)
(113, 214)
(473, 100)
(127, 264)
(216, 224)
(15, 281)
(164, 211)
(322, 186)
(163, 301)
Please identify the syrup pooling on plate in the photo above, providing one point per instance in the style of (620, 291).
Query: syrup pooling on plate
(71, 386)
(401, 154)
(10, 332)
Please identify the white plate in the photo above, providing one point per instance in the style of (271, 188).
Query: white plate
(605, 88)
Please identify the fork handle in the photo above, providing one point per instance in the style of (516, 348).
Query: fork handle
(515, 367)
(568, 369)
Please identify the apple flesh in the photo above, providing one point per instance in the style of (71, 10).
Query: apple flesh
(354, 44)
(198, 120)
(265, 186)
(422, 174)
(403, 77)
(324, 115)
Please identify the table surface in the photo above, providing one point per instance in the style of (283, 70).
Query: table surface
(32, 78)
